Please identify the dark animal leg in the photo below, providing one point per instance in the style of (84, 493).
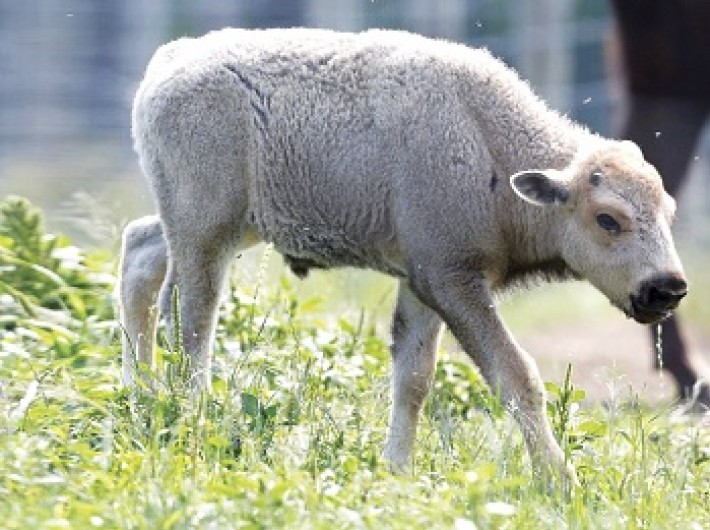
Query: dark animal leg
(667, 130)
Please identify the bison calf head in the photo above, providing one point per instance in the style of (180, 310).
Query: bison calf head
(612, 219)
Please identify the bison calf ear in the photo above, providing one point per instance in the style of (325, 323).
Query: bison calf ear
(541, 188)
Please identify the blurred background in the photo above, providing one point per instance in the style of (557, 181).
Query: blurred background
(68, 71)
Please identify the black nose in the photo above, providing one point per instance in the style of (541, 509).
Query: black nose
(661, 293)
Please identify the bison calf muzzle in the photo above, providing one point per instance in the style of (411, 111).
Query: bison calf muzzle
(657, 297)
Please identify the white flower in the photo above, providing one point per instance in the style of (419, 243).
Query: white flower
(464, 524)
(500, 508)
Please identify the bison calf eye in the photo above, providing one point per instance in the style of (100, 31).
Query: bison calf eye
(608, 223)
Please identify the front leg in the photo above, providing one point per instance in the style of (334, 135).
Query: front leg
(463, 299)
(415, 336)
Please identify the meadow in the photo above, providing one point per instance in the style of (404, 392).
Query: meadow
(291, 435)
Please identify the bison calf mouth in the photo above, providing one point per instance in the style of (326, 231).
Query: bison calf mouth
(657, 298)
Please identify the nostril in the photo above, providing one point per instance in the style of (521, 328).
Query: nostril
(678, 286)
(673, 287)
(657, 296)
(664, 292)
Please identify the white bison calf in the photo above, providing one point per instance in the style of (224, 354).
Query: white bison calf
(422, 159)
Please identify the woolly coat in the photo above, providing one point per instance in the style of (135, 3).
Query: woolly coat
(378, 149)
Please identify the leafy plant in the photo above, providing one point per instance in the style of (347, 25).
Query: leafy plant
(570, 427)
(42, 271)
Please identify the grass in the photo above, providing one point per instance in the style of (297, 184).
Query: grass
(291, 435)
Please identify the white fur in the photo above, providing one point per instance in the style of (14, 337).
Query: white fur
(389, 151)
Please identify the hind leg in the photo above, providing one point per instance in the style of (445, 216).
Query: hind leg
(194, 139)
(147, 277)
(415, 330)
(200, 258)
(144, 258)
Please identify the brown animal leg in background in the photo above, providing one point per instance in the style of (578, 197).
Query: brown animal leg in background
(667, 130)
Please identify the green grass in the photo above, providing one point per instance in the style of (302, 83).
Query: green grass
(291, 435)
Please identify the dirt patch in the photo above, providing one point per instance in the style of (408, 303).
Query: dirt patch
(612, 358)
